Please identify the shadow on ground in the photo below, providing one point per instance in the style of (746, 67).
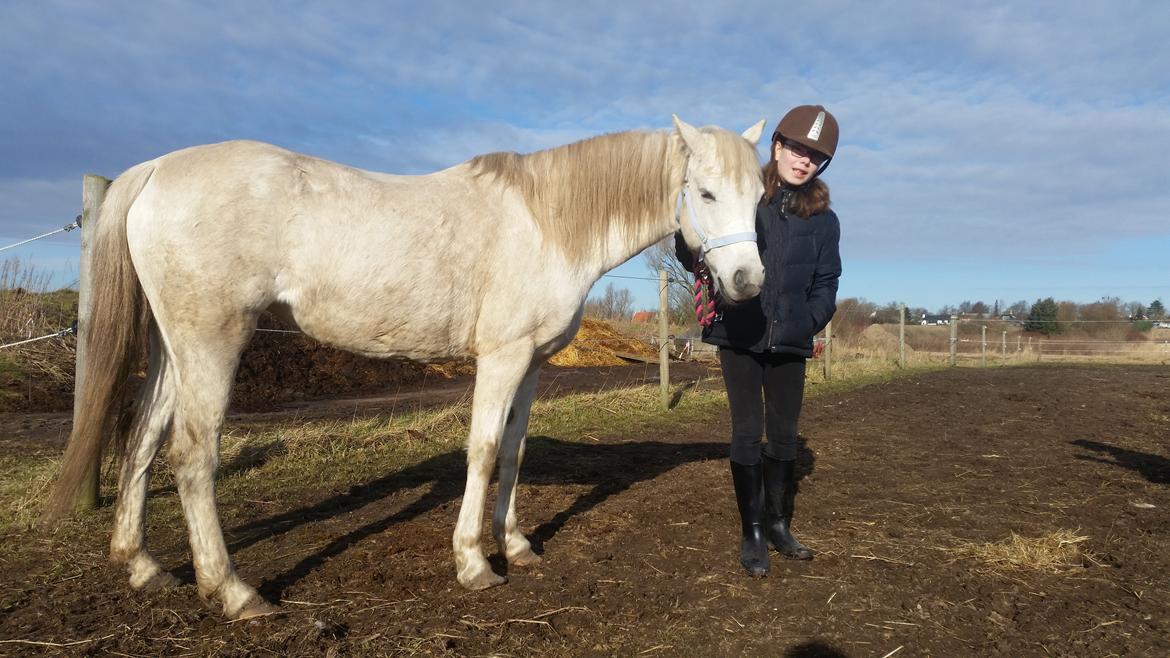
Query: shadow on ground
(609, 468)
(1153, 468)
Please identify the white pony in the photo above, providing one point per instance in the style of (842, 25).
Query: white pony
(490, 259)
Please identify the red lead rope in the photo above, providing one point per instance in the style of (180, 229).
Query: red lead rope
(704, 312)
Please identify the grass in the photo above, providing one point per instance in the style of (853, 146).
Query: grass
(24, 484)
(29, 310)
(292, 459)
(1109, 343)
(285, 455)
(277, 461)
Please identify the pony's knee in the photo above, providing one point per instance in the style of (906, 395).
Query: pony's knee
(193, 456)
(482, 452)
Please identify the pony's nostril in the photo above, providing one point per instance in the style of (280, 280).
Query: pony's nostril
(741, 279)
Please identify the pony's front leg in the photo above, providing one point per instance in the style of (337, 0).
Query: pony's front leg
(505, 527)
(498, 375)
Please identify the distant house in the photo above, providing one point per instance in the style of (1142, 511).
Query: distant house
(933, 320)
(645, 317)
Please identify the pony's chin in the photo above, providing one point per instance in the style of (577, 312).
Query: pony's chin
(740, 295)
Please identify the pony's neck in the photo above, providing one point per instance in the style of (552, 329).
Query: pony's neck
(648, 215)
(623, 241)
(599, 201)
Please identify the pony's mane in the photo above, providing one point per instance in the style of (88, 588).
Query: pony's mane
(577, 192)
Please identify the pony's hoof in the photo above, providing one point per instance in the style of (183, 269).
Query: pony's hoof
(158, 582)
(257, 609)
(525, 558)
(482, 580)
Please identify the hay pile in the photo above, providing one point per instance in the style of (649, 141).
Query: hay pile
(1050, 553)
(597, 344)
(879, 338)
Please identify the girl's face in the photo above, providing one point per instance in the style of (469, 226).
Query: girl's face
(797, 164)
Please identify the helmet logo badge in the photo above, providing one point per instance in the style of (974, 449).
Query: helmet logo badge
(814, 133)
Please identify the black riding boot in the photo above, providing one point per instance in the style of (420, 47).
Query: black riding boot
(749, 497)
(780, 487)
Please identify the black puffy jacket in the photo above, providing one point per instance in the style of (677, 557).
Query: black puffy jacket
(802, 265)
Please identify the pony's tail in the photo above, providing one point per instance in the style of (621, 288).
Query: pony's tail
(110, 344)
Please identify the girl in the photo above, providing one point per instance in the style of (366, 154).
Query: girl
(764, 342)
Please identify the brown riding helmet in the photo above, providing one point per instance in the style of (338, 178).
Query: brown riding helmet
(810, 125)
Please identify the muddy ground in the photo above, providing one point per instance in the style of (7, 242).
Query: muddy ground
(901, 480)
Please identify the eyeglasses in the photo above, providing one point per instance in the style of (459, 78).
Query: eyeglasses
(802, 151)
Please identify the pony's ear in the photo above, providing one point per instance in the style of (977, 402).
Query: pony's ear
(753, 134)
(690, 134)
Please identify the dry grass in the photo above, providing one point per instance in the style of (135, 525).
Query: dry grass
(267, 461)
(28, 310)
(24, 485)
(930, 346)
(1055, 552)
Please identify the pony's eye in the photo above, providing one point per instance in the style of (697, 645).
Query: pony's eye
(706, 194)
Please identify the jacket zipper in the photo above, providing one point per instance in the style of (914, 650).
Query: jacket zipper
(781, 215)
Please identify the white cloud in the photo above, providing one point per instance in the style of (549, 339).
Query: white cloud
(1007, 128)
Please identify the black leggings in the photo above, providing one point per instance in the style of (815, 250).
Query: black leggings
(781, 376)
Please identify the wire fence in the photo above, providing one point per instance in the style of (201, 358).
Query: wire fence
(62, 333)
(65, 229)
(854, 336)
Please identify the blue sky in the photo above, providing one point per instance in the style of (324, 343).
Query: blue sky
(989, 150)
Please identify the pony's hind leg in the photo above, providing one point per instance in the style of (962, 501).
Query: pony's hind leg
(155, 408)
(205, 367)
(505, 527)
(498, 375)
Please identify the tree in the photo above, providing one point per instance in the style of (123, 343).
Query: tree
(615, 304)
(1042, 317)
(853, 315)
(1096, 318)
(1156, 310)
(888, 314)
(979, 308)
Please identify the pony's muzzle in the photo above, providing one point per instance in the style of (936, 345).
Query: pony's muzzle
(745, 284)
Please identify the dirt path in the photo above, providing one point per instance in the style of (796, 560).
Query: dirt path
(903, 481)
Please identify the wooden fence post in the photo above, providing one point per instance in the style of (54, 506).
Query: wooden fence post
(1005, 343)
(983, 343)
(663, 344)
(902, 336)
(954, 337)
(827, 355)
(93, 192)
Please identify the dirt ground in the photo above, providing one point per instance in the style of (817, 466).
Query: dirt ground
(903, 481)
